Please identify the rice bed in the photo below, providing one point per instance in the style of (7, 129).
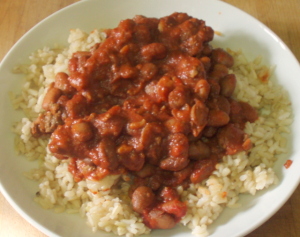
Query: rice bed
(109, 209)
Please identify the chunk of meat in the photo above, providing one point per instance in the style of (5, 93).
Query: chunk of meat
(46, 123)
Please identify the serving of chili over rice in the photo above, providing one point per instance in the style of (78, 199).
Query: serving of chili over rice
(105, 202)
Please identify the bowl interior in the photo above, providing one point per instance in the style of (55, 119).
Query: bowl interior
(239, 31)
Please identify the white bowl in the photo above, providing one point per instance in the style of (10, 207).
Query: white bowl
(240, 31)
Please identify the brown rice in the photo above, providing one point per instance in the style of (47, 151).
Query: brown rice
(241, 173)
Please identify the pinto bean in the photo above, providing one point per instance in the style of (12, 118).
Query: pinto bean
(142, 198)
(178, 144)
(51, 98)
(223, 104)
(202, 89)
(146, 171)
(207, 49)
(198, 150)
(231, 138)
(199, 116)
(77, 106)
(202, 170)
(164, 86)
(222, 57)
(214, 87)
(206, 62)
(148, 71)
(227, 85)
(158, 219)
(134, 161)
(174, 207)
(193, 45)
(107, 156)
(217, 118)
(154, 51)
(218, 72)
(176, 126)
(250, 114)
(62, 83)
(174, 163)
(127, 71)
(208, 33)
(219, 102)
(177, 98)
(209, 131)
(168, 194)
(108, 124)
(82, 131)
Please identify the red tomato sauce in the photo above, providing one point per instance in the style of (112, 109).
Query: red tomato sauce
(154, 100)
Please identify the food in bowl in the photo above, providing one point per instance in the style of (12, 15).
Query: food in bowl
(145, 129)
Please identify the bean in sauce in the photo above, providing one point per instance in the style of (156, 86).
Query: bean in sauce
(154, 101)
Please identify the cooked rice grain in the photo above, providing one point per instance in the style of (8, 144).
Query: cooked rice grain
(109, 209)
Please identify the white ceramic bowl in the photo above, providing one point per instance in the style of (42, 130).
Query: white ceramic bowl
(240, 31)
